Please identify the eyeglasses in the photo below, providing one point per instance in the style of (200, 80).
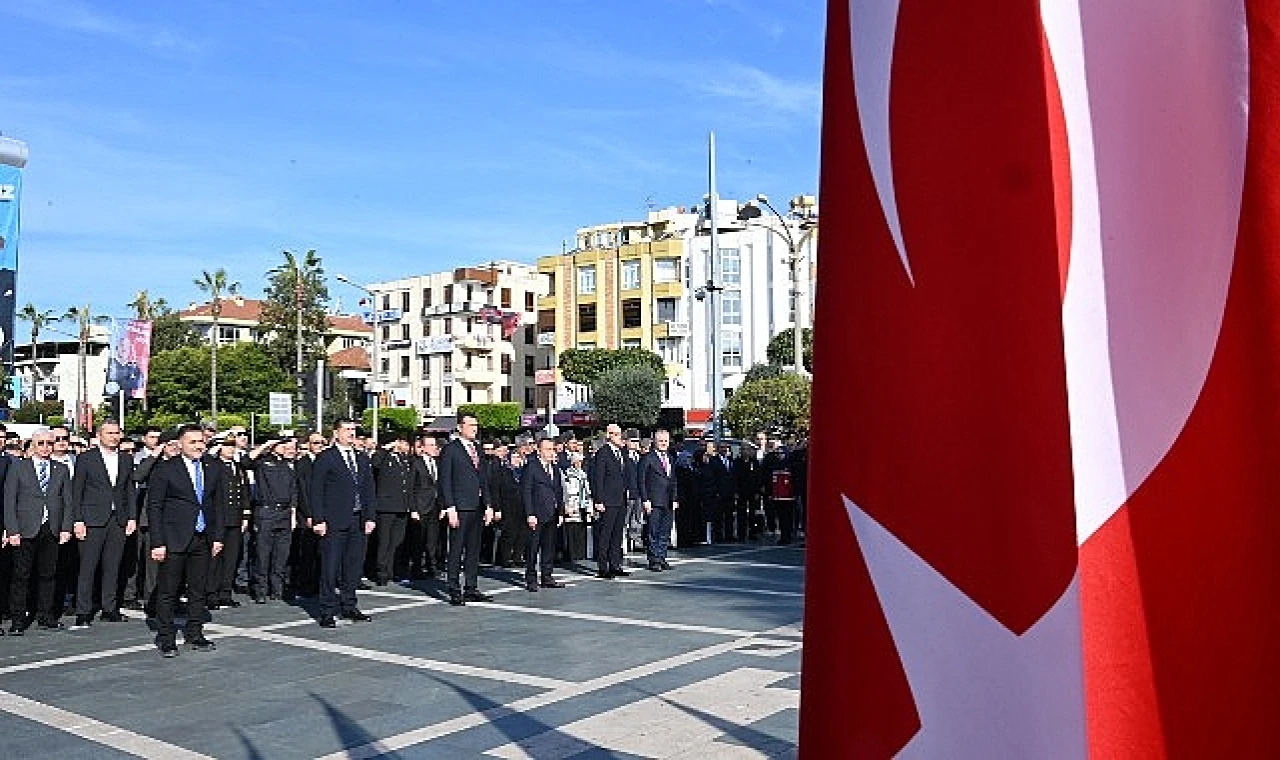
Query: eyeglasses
(316, 443)
(61, 438)
(42, 443)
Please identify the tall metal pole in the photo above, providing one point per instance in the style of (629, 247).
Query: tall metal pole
(717, 379)
(797, 324)
(319, 396)
(377, 367)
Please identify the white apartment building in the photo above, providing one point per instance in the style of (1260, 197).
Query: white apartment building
(54, 371)
(459, 337)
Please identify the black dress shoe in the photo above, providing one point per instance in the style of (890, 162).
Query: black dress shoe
(665, 566)
(52, 625)
(605, 575)
(168, 650)
(16, 630)
(259, 600)
(83, 622)
(327, 621)
(655, 567)
(201, 645)
(620, 573)
(356, 616)
(112, 617)
(133, 604)
(456, 599)
(551, 583)
(531, 586)
(476, 596)
(213, 606)
(231, 603)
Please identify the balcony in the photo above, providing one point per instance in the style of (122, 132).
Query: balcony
(451, 309)
(668, 290)
(488, 277)
(477, 376)
(671, 330)
(474, 342)
(547, 302)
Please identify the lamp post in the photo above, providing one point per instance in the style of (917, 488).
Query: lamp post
(373, 359)
(751, 211)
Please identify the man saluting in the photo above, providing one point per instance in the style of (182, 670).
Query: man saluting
(186, 511)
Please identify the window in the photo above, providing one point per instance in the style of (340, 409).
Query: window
(470, 398)
(630, 342)
(530, 335)
(426, 296)
(666, 311)
(386, 332)
(732, 356)
(448, 363)
(448, 294)
(386, 301)
(426, 398)
(731, 307)
(671, 350)
(631, 274)
(506, 298)
(228, 334)
(528, 398)
(506, 364)
(528, 301)
(404, 302)
(587, 280)
(528, 366)
(506, 393)
(666, 270)
(471, 290)
(384, 366)
(404, 367)
(424, 363)
(631, 316)
(730, 266)
(448, 395)
(586, 317)
(406, 332)
(426, 328)
(448, 325)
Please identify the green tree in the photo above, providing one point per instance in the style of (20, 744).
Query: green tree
(218, 286)
(495, 419)
(395, 419)
(763, 372)
(168, 332)
(147, 308)
(34, 412)
(775, 404)
(246, 374)
(585, 365)
(296, 288)
(39, 319)
(782, 351)
(84, 319)
(629, 395)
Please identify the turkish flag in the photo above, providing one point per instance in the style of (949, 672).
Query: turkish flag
(1044, 471)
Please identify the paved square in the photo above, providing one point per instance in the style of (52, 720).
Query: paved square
(701, 661)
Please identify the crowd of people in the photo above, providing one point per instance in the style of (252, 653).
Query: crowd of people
(179, 523)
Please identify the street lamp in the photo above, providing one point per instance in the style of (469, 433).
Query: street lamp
(808, 223)
(373, 359)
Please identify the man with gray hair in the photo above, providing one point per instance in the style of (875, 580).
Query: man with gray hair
(37, 520)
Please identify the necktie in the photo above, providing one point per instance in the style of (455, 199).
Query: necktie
(547, 467)
(42, 474)
(475, 460)
(199, 480)
(350, 459)
(666, 468)
(431, 467)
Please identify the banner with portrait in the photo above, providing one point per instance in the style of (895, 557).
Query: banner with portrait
(130, 359)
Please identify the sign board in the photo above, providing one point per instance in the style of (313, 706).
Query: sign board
(280, 406)
(435, 344)
(386, 315)
(544, 377)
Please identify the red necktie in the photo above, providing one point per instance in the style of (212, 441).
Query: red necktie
(475, 460)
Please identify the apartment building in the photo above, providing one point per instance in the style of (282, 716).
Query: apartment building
(458, 337)
(240, 319)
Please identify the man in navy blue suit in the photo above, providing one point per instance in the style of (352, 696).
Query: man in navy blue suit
(465, 500)
(609, 477)
(343, 512)
(658, 496)
(544, 513)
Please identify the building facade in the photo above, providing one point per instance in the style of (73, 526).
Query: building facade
(460, 337)
(240, 321)
(50, 370)
(645, 284)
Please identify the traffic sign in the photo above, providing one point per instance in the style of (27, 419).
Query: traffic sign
(280, 406)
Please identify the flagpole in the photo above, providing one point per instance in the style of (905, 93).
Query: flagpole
(712, 271)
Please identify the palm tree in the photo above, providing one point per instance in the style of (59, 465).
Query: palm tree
(84, 318)
(148, 308)
(218, 287)
(302, 272)
(38, 319)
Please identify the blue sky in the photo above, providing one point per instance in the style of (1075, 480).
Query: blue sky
(394, 137)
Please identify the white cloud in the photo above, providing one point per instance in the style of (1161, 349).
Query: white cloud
(77, 16)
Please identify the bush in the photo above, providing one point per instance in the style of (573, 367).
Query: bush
(629, 396)
(495, 419)
(393, 419)
(34, 412)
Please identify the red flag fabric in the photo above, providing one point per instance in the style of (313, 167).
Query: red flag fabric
(1044, 456)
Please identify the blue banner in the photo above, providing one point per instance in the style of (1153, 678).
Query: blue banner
(10, 201)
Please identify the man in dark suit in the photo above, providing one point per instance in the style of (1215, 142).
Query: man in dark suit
(425, 558)
(187, 512)
(342, 515)
(37, 519)
(466, 504)
(609, 476)
(543, 492)
(393, 484)
(104, 515)
(306, 545)
(658, 496)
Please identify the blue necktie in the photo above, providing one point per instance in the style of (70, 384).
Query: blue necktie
(199, 497)
(43, 476)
